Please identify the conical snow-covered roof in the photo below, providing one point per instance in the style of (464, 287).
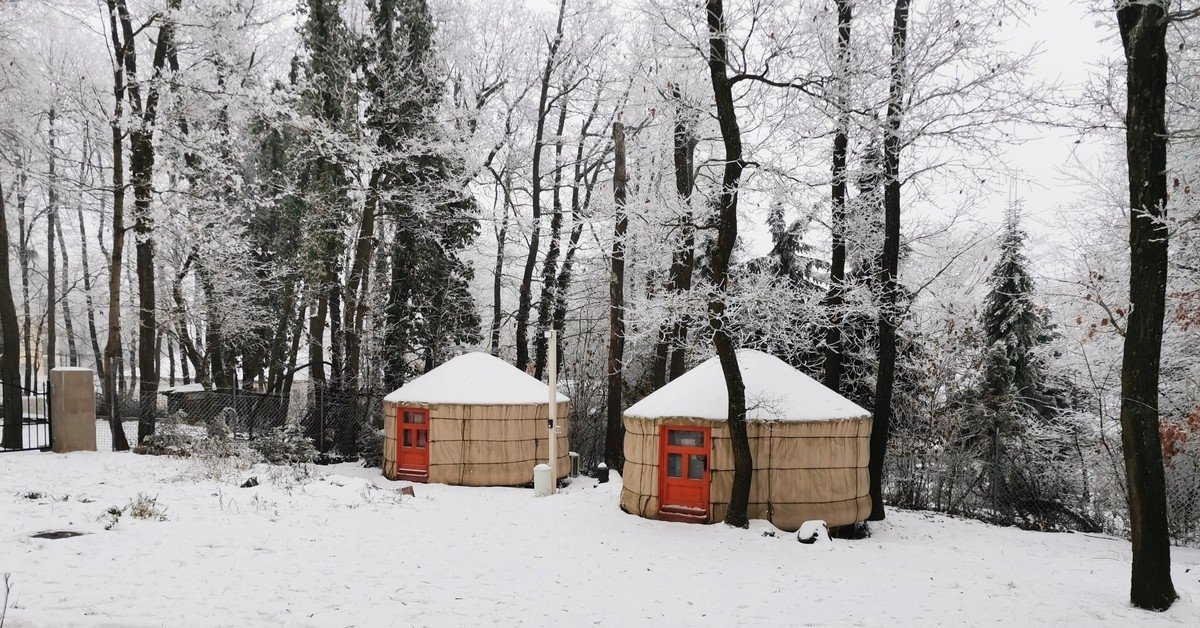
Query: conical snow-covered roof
(474, 379)
(774, 392)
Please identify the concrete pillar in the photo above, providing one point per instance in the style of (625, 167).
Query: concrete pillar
(72, 409)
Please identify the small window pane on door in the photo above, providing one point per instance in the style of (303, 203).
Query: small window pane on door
(408, 438)
(675, 465)
(687, 438)
(414, 417)
(422, 439)
(696, 464)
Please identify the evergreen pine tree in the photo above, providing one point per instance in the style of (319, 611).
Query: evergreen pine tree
(1014, 327)
(421, 193)
(327, 92)
(1015, 409)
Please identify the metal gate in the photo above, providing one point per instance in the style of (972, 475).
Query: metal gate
(34, 433)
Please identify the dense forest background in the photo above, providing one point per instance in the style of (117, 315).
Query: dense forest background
(266, 194)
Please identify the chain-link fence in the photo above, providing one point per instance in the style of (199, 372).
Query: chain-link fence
(334, 419)
(127, 409)
(1076, 486)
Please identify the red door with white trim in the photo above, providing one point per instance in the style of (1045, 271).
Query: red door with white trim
(412, 443)
(683, 473)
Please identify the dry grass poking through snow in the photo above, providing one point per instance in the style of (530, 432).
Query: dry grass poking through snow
(340, 546)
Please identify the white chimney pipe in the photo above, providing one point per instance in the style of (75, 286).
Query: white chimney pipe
(552, 362)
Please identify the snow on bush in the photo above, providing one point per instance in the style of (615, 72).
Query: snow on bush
(370, 447)
(285, 445)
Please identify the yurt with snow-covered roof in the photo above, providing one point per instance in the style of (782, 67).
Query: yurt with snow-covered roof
(810, 447)
(476, 421)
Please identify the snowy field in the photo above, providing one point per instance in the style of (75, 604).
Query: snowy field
(343, 547)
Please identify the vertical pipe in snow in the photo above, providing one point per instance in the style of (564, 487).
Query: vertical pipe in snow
(552, 362)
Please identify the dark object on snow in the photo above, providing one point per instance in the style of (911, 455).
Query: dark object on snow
(602, 473)
(251, 483)
(57, 534)
(853, 532)
(407, 490)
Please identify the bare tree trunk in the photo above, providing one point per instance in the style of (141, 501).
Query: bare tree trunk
(580, 178)
(672, 350)
(579, 219)
(1143, 35)
(550, 265)
(276, 366)
(614, 441)
(890, 261)
(337, 338)
(24, 256)
(85, 168)
(505, 184)
(837, 265)
(187, 347)
(10, 353)
(181, 328)
(743, 462)
(121, 53)
(68, 322)
(51, 218)
(294, 350)
(360, 271)
(141, 174)
(526, 293)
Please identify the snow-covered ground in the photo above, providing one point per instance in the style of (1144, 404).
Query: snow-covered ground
(343, 547)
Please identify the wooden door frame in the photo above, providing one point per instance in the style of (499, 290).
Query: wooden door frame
(413, 475)
(665, 511)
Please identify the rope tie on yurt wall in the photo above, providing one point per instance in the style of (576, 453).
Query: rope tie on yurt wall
(857, 467)
(462, 448)
(768, 467)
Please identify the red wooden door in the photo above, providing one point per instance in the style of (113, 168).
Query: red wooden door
(412, 443)
(683, 473)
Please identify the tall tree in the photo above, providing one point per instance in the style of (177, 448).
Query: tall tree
(614, 441)
(719, 264)
(889, 268)
(329, 98)
(546, 302)
(525, 299)
(122, 50)
(51, 220)
(670, 354)
(1013, 324)
(1143, 27)
(429, 306)
(144, 114)
(10, 352)
(837, 225)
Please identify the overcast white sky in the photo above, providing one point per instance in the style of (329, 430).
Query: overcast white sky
(1072, 41)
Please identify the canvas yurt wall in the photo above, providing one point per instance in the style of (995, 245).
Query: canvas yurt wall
(487, 423)
(810, 445)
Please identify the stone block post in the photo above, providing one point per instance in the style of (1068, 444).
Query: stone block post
(72, 409)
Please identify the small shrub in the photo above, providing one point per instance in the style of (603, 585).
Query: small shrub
(370, 447)
(141, 507)
(111, 517)
(145, 507)
(219, 428)
(170, 438)
(285, 445)
(33, 495)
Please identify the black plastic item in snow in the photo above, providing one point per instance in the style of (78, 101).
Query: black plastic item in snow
(602, 473)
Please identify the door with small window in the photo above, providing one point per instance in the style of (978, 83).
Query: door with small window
(683, 473)
(412, 443)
